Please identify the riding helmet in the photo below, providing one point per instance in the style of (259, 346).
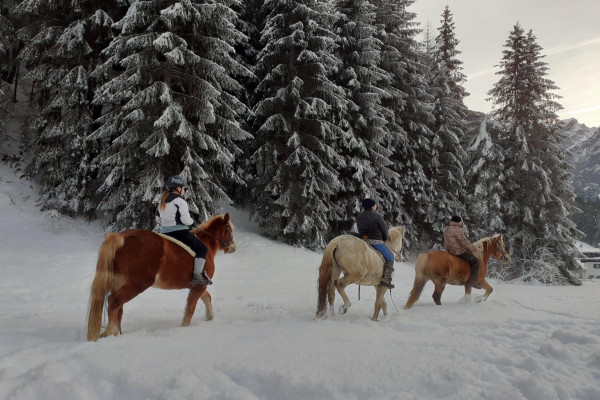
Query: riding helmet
(173, 182)
(456, 218)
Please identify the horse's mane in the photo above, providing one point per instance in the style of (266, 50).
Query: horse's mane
(396, 230)
(207, 224)
(488, 240)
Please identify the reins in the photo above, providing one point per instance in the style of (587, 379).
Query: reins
(226, 244)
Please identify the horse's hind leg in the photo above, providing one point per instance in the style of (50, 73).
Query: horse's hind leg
(440, 285)
(195, 293)
(336, 272)
(116, 301)
(341, 284)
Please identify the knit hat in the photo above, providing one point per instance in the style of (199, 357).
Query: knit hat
(456, 218)
(368, 203)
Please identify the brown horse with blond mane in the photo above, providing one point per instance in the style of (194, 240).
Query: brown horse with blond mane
(134, 260)
(443, 268)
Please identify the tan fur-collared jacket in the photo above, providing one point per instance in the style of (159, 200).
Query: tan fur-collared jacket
(455, 240)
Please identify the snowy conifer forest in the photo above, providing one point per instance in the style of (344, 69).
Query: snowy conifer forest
(293, 110)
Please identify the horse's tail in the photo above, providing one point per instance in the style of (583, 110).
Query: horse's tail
(325, 272)
(102, 282)
(420, 281)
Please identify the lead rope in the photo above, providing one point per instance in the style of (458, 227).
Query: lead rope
(392, 299)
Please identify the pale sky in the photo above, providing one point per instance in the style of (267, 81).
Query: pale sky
(568, 31)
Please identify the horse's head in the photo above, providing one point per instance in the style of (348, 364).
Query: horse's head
(220, 228)
(500, 252)
(395, 240)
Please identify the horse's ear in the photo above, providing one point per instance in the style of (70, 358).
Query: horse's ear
(213, 214)
(226, 218)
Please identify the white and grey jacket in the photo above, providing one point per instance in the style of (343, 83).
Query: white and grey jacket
(176, 215)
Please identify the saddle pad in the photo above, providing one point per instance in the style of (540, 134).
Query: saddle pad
(179, 243)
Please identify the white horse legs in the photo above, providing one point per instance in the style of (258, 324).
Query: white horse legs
(340, 285)
(380, 303)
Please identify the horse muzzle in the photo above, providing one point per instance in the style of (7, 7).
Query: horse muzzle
(231, 248)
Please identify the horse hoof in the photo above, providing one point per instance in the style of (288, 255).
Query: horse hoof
(480, 299)
(343, 310)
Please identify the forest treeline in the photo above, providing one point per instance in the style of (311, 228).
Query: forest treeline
(294, 109)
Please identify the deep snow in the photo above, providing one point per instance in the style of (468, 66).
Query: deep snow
(526, 342)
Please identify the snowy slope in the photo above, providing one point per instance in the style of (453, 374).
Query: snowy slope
(525, 342)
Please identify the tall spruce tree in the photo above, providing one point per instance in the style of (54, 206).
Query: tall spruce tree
(7, 39)
(486, 180)
(365, 146)
(65, 44)
(294, 163)
(172, 108)
(537, 200)
(409, 198)
(446, 80)
(251, 20)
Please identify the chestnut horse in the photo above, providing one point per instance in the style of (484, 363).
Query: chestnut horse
(134, 260)
(442, 268)
(360, 263)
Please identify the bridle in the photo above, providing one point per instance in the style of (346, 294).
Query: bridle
(224, 243)
(505, 256)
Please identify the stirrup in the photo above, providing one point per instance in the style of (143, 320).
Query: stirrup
(201, 279)
(387, 284)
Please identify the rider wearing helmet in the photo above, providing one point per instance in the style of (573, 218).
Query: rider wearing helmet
(174, 218)
(372, 228)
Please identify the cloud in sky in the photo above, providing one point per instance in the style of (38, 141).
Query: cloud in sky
(563, 49)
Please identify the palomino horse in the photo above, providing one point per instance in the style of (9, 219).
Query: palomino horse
(134, 260)
(360, 263)
(442, 268)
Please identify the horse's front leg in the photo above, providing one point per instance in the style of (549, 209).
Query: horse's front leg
(195, 293)
(207, 300)
(380, 303)
(340, 285)
(488, 291)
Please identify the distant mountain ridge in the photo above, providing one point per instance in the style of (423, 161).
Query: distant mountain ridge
(584, 145)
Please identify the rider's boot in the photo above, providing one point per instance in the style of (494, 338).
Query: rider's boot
(200, 277)
(386, 278)
(474, 274)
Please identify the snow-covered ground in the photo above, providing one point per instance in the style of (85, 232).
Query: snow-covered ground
(525, 342)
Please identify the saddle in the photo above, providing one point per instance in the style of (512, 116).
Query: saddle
(365, 237)
(179, 243)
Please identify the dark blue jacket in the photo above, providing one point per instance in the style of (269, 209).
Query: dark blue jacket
(371, 226)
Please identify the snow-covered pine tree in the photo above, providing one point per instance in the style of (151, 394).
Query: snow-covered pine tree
(172, 108)
(7, 39)
(66, 44)
(251, 23)
(446, 80)
(365, 145)
(538, 199)
(409, 199)
(485, 182)
(295, 164)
